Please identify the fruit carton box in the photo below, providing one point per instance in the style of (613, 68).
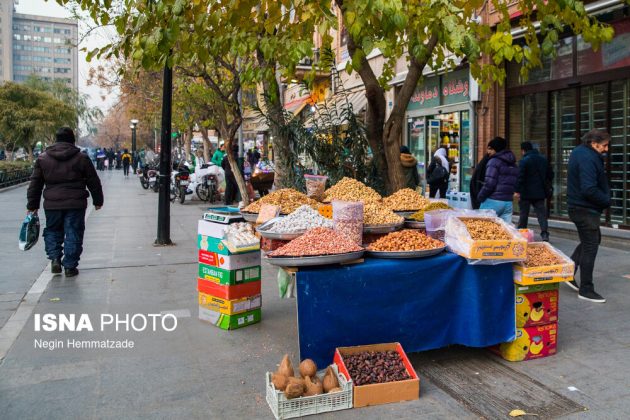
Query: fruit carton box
(229, 322)
(460, 242)
(220, 246)
(229, 292)
(544, 274)
(229, 307)
(229, 262)
(211, 229)
(230, 277)
(536, 305)
(384, 393)
(530, 343)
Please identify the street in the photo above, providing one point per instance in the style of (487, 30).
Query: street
(199, 371)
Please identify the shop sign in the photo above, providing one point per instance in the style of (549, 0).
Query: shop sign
(446, 89)
(427, 96)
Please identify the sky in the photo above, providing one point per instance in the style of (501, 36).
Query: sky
(51, 8)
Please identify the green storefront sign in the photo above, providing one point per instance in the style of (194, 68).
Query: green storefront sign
(445, 89)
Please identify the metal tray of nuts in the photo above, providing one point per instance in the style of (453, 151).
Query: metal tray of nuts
(392, 227)
(405, 254)
(252, 217)
(310, 261)
(414, 224)
(265, 227)
(405, 213)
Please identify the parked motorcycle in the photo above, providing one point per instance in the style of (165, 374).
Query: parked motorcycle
(180, 179)
(148, 177)
(205, 182)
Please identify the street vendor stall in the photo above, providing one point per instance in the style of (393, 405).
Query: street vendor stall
(422, 303)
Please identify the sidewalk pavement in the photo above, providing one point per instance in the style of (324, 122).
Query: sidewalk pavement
(200, 371)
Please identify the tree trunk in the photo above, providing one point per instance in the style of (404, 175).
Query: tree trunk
(207, 147)
(280, 143)
(188, 143)
(229, 133)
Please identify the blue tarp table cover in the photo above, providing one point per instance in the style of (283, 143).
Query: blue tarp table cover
(422, 303)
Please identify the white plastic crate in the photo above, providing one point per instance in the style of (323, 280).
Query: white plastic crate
(283, 408)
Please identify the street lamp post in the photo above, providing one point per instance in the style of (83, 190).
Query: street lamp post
(133, 126)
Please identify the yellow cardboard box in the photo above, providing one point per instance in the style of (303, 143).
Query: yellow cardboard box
(459, 241)
(545, 274)
(229, 307)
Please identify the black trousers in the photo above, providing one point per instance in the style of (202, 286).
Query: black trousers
(441, 187)
(587, 224)
(231, 190)
(125, 168)
(541, 213)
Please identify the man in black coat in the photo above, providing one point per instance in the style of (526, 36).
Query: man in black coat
(533, 187)
(65, 173)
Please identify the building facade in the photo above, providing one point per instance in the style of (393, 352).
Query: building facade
(35, 45)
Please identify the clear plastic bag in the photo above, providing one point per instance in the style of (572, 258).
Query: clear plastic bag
(29, 232)
(315, 186)
(484, 252)
(348, 219)
(435, 220)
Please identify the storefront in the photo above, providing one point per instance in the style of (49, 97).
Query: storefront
(440, 114)
(581, 89)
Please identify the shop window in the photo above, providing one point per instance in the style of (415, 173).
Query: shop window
(563, 140)
(618, 151)
(553, 68)
(614, 54)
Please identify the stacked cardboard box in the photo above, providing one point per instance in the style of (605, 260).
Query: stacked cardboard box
(228, 281)
(537, 298)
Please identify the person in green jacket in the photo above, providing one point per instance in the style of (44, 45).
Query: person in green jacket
(217, 158)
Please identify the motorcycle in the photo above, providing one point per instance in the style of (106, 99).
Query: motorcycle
(180, 179)
(206, 181)
(148, 177)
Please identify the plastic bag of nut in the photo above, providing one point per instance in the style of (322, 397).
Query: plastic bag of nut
(348, 219)
(315, 186)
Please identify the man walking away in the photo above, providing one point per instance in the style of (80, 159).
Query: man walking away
(231, 187)
(477, 180)
(126, 161)
(500, 180)
(588, 195)
(533, 187)
(65, 173)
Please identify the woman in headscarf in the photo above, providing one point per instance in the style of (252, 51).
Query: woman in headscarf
(410, 168)
(438, 173)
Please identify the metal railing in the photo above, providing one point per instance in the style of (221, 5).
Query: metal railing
(14, 176)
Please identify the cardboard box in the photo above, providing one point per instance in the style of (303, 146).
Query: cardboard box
(375, 394)
(229, 307)
(459, 241)
(229, 262)
(229, 292)
(536, 305)
(229, 322)
(211, 229)
(546, 274)
(231, 277)
(220, 246)
(530, 343)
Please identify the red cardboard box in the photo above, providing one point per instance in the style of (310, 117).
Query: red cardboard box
(536, 305)
(228, 292)
(375, 394)
(530, 343)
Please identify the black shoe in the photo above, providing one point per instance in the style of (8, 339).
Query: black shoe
(573, 285)
(592, 296)
(544, 236)
(71, 272)
(55, 266)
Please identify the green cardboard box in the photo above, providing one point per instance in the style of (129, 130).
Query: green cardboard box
(229, 322)
(208, 243)
(536, 288)
(229, 277)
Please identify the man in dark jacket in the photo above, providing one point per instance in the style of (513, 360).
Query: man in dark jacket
(588, 195)
(532, 187)
(231, 187)
(65, 173)
(477, 180)
(500, 180)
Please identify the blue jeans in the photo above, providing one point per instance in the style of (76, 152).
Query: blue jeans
(503, 209)
(63, 235)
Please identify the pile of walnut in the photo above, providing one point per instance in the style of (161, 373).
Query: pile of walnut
(485, 230)
(405, 240)
(349, 189)
(405, 200)
(377, 214)
(307, 383)
(288, 200)
(540, 256)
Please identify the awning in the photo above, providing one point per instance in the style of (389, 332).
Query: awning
(335, 107)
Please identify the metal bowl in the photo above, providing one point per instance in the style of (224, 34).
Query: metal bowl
(265, 227)
(312, 261)
(392, 227)
(405, 254)
(414, 224)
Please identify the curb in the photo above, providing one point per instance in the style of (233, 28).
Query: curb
(12, 187)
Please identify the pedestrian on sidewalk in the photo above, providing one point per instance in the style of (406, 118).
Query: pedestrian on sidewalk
(500, 180)
(477, 180)
(534, 187)
(219, 154)
(65, 173)
(588, 195)
(438, 173)
(410, 168)
(126, 162)
(231, 187)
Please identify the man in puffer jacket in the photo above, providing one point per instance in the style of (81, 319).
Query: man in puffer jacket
(500, 181)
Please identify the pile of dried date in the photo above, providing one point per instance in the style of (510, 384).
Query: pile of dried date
(375, 367)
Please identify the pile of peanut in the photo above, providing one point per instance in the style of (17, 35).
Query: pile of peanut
(349, 189)
(405, 240)
(316, 242)
(405, 200)
(485, 230)
(540, 256)
(288, 200)
(377, 214)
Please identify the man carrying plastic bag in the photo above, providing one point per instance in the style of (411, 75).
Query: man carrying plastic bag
(63, 173)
